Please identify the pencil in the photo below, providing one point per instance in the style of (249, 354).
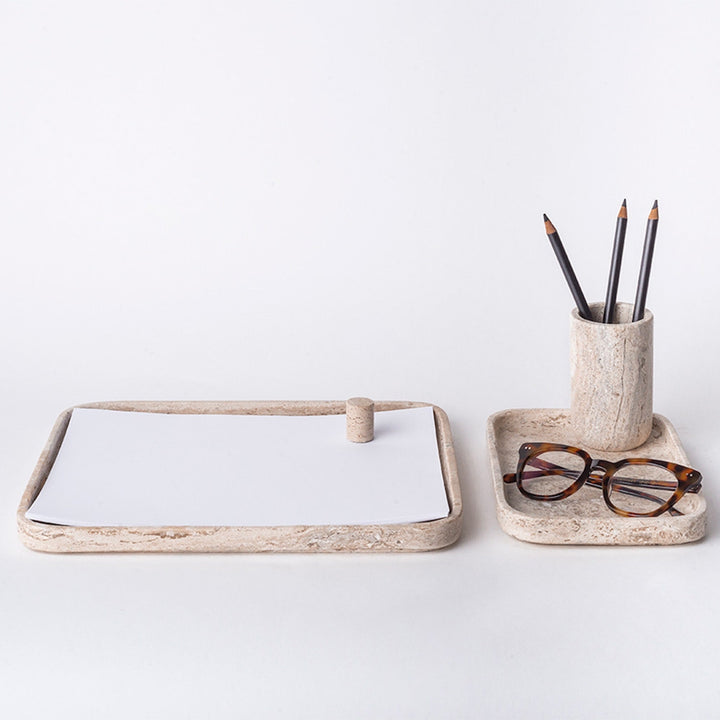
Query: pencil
(646, 264)
(619, 244)
(567, 269)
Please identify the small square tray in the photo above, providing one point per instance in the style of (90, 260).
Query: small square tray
(405, 537)
(583, 518)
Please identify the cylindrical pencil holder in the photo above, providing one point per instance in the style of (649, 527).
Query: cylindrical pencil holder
(611, 379)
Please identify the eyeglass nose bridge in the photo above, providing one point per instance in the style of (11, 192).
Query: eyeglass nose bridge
(601, 467)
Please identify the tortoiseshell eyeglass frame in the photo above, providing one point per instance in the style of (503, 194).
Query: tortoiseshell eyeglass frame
(688, 480)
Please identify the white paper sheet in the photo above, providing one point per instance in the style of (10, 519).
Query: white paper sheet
(147, 469)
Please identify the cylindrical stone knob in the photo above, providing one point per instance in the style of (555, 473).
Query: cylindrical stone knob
(611, 379)
(360, 419)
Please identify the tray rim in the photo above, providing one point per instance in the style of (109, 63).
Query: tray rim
(550, 531)
(399, 537)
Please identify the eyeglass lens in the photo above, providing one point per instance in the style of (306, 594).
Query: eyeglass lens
(641, 488)
(551, 473)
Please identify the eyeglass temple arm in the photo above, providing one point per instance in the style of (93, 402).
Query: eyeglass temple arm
(635, 482)
(551, 468)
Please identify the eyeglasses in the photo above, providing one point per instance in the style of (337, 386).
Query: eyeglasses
(633, 487)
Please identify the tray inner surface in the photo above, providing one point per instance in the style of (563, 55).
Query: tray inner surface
(552, 426)
(583, 518)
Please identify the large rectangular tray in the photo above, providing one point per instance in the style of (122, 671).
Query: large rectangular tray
(318, 538)
(583, 518)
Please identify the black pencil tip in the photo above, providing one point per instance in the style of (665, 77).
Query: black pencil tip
(624, 202)
(549, 227)
(655, 204)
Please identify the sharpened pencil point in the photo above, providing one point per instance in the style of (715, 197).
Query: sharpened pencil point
(549, 227)
(654, 212)
(623, 211)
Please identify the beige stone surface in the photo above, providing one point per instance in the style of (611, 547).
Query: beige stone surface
(611, 379)
(407, 537)
(583, 518)
(360, 414)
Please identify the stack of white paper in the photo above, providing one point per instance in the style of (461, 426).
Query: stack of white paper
(148, 469)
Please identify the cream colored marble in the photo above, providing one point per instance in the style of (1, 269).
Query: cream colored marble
(611, 379)
(360, 414)
(583, 518)
(326, 538)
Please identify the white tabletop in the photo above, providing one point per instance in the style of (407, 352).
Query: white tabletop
(321, 200)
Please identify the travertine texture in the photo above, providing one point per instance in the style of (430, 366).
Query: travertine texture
(360, 414)
(611, 379)
(583, 518)
(316, 538)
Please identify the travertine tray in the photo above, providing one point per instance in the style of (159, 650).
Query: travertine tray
(320, 538)
(583, 518)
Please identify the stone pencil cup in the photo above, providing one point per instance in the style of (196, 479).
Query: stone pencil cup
(611, 379)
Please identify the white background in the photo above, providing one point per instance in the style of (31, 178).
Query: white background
(315, 200)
